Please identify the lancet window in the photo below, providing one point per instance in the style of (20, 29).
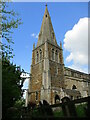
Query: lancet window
(36, 95)
(37, 56)
(56, 55)
(40, 54)
(52, 54)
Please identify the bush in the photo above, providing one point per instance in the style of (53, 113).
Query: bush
(12, 112)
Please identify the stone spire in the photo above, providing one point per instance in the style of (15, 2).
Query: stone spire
(33, 46)
(46, 31)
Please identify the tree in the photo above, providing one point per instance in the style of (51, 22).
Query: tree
(11, 81)
(11, 85)
(10, 21)
(20, 103)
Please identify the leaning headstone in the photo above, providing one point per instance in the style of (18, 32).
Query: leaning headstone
(88, 108)
(68, 108)
(45, 109)
(48, 109)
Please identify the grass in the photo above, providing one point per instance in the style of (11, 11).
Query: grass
(58, 114)
(80, 109)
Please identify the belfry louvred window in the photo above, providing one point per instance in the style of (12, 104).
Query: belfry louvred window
(37, 56)
(56, 55)
(40, 54)
(52, 54)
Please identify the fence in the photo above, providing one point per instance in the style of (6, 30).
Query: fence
(65, 110)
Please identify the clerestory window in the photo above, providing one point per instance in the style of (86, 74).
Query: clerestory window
(52, 54)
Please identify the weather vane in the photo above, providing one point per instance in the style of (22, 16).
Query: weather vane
(46, 5)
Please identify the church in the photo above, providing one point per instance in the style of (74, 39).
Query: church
(50, 80)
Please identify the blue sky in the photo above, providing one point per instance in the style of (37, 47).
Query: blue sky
(64, 16)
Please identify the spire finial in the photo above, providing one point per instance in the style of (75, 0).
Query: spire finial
(46, 5)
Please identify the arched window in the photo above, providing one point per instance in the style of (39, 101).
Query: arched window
(40, 54)
(52, 54)
(57, 99)
(37, 56)
(74, 87)
(56, 55)
(36, 95)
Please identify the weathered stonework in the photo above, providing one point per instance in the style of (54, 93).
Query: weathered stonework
(79, 79)
(50, 80)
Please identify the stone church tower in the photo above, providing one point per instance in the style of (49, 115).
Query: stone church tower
(47, 63)
(50, 80)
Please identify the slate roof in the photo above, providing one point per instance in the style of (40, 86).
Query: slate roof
(72, 92)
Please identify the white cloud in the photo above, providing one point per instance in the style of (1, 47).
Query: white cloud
(35, 35)
(76, 42)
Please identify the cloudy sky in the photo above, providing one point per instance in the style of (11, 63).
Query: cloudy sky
(70, 23)
(76, 42)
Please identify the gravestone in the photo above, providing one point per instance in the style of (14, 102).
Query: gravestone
(68, 108)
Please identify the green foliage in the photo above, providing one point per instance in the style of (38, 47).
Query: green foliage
(11, 84)
(11, 81)
(12, 113)
(19, 103)
(58, 114)
(36, 113)
(80, 109)
(10, 21)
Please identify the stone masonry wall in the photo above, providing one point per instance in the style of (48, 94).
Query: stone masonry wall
(56, 66)
(79, 79)
(36, 74)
